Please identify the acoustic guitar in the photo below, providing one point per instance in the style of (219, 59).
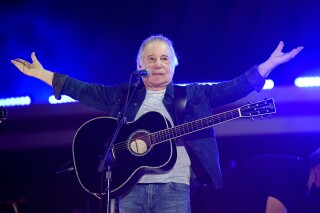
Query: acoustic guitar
(146, 145)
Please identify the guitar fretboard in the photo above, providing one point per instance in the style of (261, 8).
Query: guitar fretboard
(193, 126)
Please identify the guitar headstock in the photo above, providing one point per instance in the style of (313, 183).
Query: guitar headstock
(3, 113)
(259, 108)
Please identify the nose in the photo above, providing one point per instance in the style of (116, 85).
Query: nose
(158, 63)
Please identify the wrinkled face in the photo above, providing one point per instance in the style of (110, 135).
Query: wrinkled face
(157, 58)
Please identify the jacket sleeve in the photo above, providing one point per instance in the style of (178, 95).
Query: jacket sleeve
(255, 79)
(57, 84)
(233, 90)
(97, 96)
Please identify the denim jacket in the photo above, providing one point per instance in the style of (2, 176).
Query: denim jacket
(201, 99)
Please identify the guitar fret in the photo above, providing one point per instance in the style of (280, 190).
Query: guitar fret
(163, 135)
(188, 126)
(182, 128)
(199, 125)
(168, 134)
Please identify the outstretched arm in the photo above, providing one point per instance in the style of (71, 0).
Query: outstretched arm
(34, 69)
(277, 57)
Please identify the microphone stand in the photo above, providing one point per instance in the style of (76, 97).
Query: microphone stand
(107, 160)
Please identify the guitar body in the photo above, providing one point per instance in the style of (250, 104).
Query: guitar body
(133, 151)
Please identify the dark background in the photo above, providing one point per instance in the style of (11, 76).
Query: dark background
(97, 41)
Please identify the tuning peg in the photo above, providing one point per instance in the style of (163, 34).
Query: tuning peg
(270, 116)
(261, 117)
(252, 119)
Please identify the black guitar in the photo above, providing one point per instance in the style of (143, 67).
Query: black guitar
(143, 146)
(3, 114)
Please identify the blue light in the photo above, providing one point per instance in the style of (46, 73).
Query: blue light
(307, 82)
(15, 101)
(201, 83)
(269, 84)
(64, 99)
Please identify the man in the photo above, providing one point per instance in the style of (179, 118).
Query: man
(169, 191)
(271, 184)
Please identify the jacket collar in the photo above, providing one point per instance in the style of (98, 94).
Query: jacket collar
(170, 89)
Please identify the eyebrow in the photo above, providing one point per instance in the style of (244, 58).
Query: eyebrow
(160, 56)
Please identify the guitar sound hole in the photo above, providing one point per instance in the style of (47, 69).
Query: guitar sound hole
(139, 143)
(138, 146)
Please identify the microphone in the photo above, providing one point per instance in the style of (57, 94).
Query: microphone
(142, 73)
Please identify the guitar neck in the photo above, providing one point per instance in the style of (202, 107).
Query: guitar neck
(193, 126)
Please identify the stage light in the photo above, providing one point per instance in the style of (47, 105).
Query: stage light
(201, 83)
(64, 99)
(15, 101)
(269, 84)
(307, 82)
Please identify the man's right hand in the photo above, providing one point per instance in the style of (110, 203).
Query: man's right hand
(34, 69)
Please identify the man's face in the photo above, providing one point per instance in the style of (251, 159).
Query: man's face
(157, 58)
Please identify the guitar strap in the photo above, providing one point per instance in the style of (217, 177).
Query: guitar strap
(180, 100)
(198, 173)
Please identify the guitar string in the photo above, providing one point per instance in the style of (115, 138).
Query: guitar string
(162, 135)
